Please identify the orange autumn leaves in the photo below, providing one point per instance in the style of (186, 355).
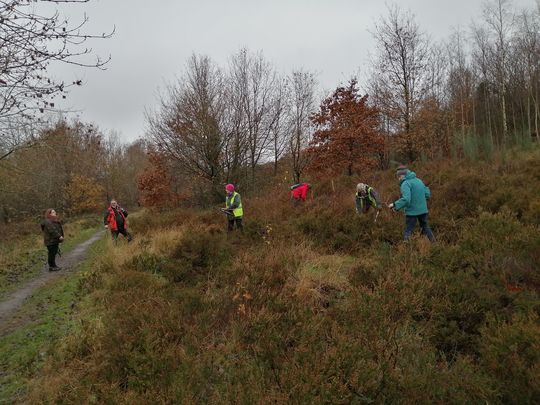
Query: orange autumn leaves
(347, 139)
(155, 183)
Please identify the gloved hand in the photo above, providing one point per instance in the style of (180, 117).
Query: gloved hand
(391, 206)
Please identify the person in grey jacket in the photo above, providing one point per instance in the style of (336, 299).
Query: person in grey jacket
(53, 235)
(366, 197)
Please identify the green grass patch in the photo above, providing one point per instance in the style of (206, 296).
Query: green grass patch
(49, 313)
(22, 259)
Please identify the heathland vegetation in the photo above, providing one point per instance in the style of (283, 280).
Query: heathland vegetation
(314, 304)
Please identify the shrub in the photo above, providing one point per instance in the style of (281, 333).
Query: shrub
(197, 254)
(511, 353)
(145, 261)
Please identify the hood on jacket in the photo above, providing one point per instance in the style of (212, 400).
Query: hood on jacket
(408, 176)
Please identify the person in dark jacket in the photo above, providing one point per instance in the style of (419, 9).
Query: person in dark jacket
(366, 197)
(115, 220)
(413, 200)
(53, 235)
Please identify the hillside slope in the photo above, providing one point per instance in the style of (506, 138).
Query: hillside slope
(318, 305)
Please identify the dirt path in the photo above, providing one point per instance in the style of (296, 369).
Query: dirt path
(10, 305)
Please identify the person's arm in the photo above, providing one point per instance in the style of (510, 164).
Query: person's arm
(405, 199)
(236, 202)
(377, 198)
(358, 201)
(125, 213)
(105, 222)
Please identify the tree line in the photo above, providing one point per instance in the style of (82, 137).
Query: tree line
(482, 82)
(73, 167)
(245, 122)
(422, 99)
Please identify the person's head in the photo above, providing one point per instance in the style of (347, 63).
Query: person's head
(229, 188)
(50, 213)
(114, 204)
(401, 172)
(361, 188)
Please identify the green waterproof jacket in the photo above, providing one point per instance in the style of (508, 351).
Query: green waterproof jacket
(414, 195)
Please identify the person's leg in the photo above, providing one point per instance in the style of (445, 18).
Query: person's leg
(230, 224)
(52, 250)
(114, 235)
(239, 224)
(410, 223)
(426, 230)
(126, 234)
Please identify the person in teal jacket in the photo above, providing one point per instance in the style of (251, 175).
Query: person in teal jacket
(414, 196)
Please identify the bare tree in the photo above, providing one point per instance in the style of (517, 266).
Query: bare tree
(189, 126)
(499, 19)
(400, 68)
(482, 68)
(30, 41)
(528, 52)
(460, 82)
(256, 83)
(279, 130)
(300, 107)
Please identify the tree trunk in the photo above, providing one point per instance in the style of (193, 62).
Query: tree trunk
(504, 119)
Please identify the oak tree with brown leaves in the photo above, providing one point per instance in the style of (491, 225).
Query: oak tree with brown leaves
(155, 183)
(347, 137)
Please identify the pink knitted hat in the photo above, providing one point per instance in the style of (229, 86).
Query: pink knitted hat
(229, 187)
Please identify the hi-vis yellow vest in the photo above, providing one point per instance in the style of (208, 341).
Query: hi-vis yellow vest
(237, 212)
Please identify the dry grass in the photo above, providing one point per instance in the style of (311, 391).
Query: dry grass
(321, 278)
(165, 240)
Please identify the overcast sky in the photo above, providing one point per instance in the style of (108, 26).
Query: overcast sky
(154, 39)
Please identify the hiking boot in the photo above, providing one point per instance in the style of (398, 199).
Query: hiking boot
(55, 268)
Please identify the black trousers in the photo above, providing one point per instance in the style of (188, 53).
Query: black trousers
(232, 221)
(123, 232)
(52, 251)
(410, 223)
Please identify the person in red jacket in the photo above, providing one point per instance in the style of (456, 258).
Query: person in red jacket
(115, 220)
(299, 192)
